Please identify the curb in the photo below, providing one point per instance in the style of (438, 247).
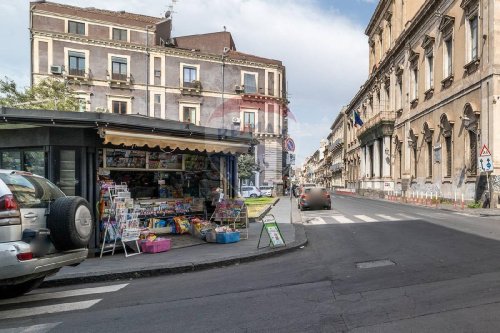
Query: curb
(300, 241)
(267, 210)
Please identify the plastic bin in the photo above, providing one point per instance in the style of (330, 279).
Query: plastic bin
(159, 245)
(211, 237)
(228, 237)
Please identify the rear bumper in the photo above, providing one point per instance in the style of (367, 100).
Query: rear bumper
(309, 204)
(13, 271)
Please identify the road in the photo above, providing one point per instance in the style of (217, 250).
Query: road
(370, 266)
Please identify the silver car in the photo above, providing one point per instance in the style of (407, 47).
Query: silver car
(41, 231)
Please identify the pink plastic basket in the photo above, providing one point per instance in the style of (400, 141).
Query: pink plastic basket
(159, 245)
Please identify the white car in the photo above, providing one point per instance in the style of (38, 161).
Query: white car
(267, 191)
(250, 192)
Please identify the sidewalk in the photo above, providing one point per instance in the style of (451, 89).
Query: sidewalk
(203, 256)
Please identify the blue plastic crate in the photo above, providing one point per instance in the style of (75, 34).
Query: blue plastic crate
(228, 237)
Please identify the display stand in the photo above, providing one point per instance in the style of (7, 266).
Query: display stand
(232, 213)
(120, 224)
(276, 238)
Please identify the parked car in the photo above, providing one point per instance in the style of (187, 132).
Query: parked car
(266, 191)
(314, 197)
(301, 186)
(41, 231)
(250, 192)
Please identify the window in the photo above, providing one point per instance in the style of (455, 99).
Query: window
(76, 62)
(473, 152)
(400, 153)
(120, 34)
(31, 192)
(157, 105)
(414, 83)
(449, 156)
(77, 28)
(189, 114)
(119, 107)
(26, 160)
(415, 162)
(249, 121)
(189, 75)
(387, 97)
(429, 159)
(448, 57)
(400, 93)
(473, 38)
(119, 68)
(250, 83)
(157, 73)
(429, 64)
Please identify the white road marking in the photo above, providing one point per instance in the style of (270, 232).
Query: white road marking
(365, 218)
(43, 328)
(63, 294)
(342, 219)
(409, 217)
(463, 214)
(317, 221)
(54, 308)
(387, 217)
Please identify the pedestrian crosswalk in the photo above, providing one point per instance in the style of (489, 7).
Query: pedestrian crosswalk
(36, 304)
(334, 217)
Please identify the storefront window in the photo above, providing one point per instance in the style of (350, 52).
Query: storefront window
(34, 162)
(11, 160)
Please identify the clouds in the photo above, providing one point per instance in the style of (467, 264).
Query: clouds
(324, 52)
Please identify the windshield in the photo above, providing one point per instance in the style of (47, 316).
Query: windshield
(30, 191)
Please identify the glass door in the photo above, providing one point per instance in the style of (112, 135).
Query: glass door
(67, 171)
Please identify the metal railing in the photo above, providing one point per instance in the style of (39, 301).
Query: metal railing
(383, 116)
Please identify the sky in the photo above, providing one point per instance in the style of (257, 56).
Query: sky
(321, 43)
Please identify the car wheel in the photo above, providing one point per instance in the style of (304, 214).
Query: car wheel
(19, 289)
(253, 195)
(70, 222)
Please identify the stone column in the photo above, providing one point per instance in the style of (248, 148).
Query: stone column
(363, 164)
(368, 163)
(386, 166)
(376, 158)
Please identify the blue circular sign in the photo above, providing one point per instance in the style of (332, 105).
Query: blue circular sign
(289, 145)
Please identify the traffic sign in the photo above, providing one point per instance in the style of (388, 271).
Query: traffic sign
(486, 163)
(485, 160)
(289, 145)
(485, 151)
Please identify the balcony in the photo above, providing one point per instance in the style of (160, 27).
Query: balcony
(337, 144)
(379, 126)
(337, 167)
(78, 76)
(191, 88)
(117, 80)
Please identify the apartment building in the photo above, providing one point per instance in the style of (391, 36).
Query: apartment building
(337, 151)
(125, 63)
(431, 100)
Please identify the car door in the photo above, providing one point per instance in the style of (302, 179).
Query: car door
(245, 192)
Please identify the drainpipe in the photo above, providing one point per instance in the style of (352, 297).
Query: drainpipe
(32, 45)
(147, 68)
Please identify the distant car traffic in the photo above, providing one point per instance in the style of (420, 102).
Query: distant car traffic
(250, 192)
(314, 197)
(41, 231)
(266, 191)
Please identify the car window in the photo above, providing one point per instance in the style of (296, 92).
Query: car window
(245, 189)
(31, 192)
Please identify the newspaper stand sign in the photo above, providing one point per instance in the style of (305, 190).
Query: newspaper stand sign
(485, 160)
(272, 229)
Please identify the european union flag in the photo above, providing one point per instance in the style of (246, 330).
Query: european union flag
(357, 119)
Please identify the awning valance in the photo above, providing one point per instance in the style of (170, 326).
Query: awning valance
(116, 137)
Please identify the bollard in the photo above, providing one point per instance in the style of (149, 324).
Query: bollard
(455, 201)
(426, 199)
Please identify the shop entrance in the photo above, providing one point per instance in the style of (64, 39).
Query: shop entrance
(67, 170)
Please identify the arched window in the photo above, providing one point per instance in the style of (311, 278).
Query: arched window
(413, 144)
(471, 124)
(428, 131)
(446, 130)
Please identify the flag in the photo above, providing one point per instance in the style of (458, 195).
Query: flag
(357, 120)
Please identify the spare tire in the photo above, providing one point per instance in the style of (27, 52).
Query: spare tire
(70, 222)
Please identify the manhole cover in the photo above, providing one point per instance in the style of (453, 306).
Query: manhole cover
(375, 263)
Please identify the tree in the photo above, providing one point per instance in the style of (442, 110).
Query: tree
(48, 94)
(246, 166)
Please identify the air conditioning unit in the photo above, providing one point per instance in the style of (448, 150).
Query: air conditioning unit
(239, 88)
(56, 69)
(236, 120)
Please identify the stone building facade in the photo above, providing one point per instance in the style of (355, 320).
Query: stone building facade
(128, 63)
(431, 99)
(337, 151)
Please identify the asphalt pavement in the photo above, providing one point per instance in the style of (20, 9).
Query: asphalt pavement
(369, 266)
